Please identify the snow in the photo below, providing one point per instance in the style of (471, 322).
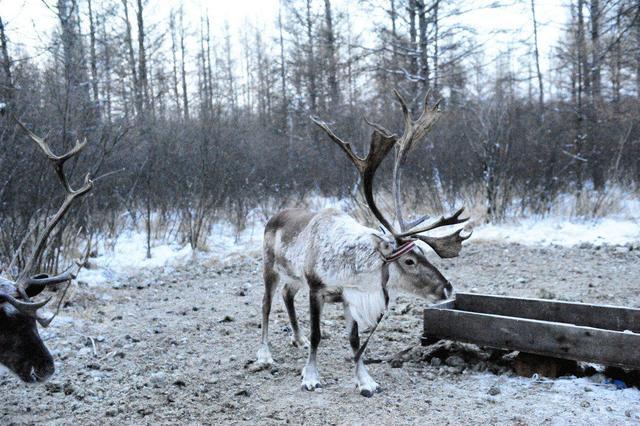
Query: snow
(592, 398)
(563, 232)
(563, 226)
(589, 395)
(127, 255)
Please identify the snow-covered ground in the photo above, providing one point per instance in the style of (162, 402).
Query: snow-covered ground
(621, 226)
(128, 253)
(227, 318)
(563, 232)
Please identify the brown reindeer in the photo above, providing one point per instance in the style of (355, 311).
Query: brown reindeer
(21, 348)
(340, 260)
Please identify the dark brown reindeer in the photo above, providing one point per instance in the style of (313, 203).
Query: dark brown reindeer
(21, 348)
(340, 260)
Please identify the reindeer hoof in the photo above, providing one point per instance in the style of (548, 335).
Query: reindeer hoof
(310, 387)
(264, 357)
(366, 393)
(299, 343)
(310, 378)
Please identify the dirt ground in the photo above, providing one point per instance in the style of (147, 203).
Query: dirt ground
(177, 346)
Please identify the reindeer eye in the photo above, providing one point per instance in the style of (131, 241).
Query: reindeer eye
(409, 262)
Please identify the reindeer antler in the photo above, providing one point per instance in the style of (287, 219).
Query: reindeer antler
(449, 245)
(381, 142)
(414, 131)
(25, 279)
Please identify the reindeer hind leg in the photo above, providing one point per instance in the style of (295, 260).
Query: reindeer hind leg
(271, 279)
(289, 292)
(310, 375)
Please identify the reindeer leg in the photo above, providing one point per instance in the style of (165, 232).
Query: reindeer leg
(310, 375)
(365, 384)
(270, 285)
(289, 292)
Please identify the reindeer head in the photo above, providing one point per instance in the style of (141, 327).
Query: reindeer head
(411, 270)
(409, 266)
(23, 351)
(21, 348)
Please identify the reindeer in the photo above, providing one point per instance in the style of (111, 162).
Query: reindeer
(21, 347)
(340, 260)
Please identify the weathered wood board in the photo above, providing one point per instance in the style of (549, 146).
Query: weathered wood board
(606, 335)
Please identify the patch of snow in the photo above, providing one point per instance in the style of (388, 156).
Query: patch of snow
(127, 254)
(545, 231)
(591, 396)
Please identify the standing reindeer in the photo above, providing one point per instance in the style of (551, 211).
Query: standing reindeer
(340, 260)
(21, 348)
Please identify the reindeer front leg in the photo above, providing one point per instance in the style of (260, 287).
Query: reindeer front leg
(310, 375)
(366, 385)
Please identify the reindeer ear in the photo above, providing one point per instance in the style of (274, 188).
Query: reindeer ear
(384, 246)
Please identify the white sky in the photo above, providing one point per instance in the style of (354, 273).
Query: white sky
(29, 22)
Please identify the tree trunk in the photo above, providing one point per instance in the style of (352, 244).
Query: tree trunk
(616, 65)
(311, 64)
(537, 58)
(92, 53)
(423, 54)
(142, 59)
(107, 86)
(229, 71)
(394, 32)
(185, 96)
(595, 51)
(283, 76)
(595, 101)
(582, 86)
(209, 75)
(174, 57)
(332, 78)
(413, 48)
(131, 58)
(436, 35)
(637, 52)
(6, 65)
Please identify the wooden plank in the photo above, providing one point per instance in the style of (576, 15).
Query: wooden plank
(597, 316)
(426, 339)
(447, 304)
(554, 339)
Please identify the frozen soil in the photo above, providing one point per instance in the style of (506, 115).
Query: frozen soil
(177, 346)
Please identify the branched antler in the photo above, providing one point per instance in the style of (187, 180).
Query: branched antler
(414, 131)
(25, 282)
(381, 143)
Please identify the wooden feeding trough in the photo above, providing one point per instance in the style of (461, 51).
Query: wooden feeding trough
(607, 335)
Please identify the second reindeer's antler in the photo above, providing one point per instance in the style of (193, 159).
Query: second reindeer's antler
(381, 143)
(25, 282)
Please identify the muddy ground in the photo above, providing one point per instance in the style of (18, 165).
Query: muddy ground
(176, 346)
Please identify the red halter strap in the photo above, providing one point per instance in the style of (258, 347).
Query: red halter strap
(399, 251)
